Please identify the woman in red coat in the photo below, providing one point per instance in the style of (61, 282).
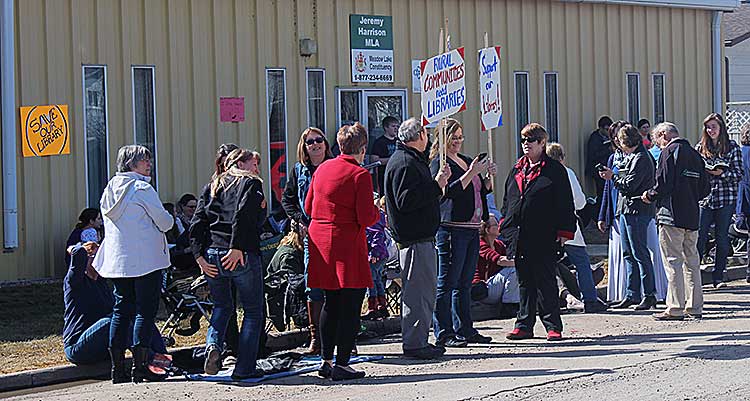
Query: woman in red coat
(340, 205)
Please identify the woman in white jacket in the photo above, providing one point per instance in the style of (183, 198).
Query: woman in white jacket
(132, 255)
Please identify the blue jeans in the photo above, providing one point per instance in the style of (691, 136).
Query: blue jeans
(249, 282)
(580, 259)
(458, 253)
(634, 240)
(313, 294)
(136, 303)
(92, 345)
(721, 218)
(378, 286)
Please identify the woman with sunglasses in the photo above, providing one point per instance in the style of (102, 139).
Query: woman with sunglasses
(462, 210)
(312, 150)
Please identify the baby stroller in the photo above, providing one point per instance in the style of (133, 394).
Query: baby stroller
(186, 299)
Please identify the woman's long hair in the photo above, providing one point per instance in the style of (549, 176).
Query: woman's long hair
(708, 150)
(231, 172)
(451, 126)
(221, 154)
(302, 155)
(86, 216)
(613, 130)
(294, 238)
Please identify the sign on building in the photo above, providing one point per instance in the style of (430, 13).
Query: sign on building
(443, 85)
(491, 105)
(416, 72)
(371, 44)
(45, 130)
(232, 109)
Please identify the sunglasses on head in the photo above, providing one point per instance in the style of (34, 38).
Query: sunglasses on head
(316, 140)
(525, 139)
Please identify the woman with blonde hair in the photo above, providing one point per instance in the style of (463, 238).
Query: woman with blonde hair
(312, 150)
(226, 245)
(723, 160)
(462, 209)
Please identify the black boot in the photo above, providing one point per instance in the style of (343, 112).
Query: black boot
(119, 371)
(142, 369)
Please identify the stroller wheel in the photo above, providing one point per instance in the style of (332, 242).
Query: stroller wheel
(195, 325)
(169, 341)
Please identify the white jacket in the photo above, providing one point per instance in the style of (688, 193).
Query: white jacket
(134, 224)
(579, 201)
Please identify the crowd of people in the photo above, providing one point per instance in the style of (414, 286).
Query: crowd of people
(657, 198)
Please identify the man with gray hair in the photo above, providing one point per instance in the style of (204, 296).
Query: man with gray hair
(413, 206)
(681, 181)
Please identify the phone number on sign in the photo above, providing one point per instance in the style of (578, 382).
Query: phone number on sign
(373, 77)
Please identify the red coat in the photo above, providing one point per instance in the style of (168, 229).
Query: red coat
(340, 205)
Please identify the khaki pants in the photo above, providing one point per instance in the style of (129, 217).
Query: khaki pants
(682, 265)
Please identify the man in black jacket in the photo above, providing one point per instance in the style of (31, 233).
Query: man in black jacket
(598, 150)
(538, 211)
(413, 206)
(681, 181)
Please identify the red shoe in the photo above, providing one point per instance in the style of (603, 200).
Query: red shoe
(518, 334)
(554, 335)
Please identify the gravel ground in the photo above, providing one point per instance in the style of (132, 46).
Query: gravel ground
(613, 356)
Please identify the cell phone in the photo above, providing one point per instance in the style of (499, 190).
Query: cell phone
(600, 167)
(481, 156)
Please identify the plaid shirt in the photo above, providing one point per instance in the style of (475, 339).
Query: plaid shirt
(724, 187)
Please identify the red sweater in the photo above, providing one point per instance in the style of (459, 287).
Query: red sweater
(487, 266)
(340, 205)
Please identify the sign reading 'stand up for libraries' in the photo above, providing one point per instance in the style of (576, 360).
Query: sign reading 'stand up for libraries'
(371, 44)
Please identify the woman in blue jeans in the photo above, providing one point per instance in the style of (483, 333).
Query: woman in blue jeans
(226, 245)
(133, 256)
(723, 160)
(462, 209)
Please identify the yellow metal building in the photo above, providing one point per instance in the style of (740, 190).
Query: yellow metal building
(152, 72)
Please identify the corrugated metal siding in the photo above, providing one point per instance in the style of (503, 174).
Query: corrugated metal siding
(202, 50)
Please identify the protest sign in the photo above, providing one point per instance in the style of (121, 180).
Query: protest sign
(443, 85)
(45, 130)
(491, 105)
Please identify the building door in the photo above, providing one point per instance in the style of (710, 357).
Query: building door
(369, 107)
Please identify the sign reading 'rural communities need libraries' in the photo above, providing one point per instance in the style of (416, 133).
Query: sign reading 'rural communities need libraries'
(371, 43)
(443, 83)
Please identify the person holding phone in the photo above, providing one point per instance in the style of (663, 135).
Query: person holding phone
(462, 210)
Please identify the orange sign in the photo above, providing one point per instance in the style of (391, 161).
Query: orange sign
(45, 130)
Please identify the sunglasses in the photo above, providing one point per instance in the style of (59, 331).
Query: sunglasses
(525, 139)
(316, 140)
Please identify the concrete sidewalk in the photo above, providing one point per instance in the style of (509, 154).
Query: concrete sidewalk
(618, 355)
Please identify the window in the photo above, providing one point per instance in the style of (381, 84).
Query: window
(95, 132)
(369, 107)
(522, 105)
(144, 113)
(660, 114)
(276, 109)
(634, 97)
(316, 98)
(551, 121)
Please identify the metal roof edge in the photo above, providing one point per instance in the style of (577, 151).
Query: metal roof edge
(717, 5)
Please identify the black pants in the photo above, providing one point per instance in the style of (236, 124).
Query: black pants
(599, 183)
(537, 283)
(339, 323)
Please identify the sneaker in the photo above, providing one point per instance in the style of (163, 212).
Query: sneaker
(255, 374)
(707, 268)
(518, 334)
(324, 370)
(427, 353)
(594, 306)
(439, 348)
(720, 285)
(694, 316)
(575, 304)
(453, 341)
(479, 339)
(664, 316)
(230, 360)
(212, 365)
(554, 335)
(338, 373)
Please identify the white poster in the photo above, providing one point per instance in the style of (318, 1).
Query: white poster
(443, 85)
(372, 65)
(491, 104)
(415, 74)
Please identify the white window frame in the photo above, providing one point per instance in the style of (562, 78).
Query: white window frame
(106, 125)
(364, 93)
(154, 156)
(627, 96)
(557, 103)
(268, 127)
(307, 95)
(663, 95)
(515, 107)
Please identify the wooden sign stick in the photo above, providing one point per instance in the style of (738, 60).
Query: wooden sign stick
(441, 125)
(490, 148)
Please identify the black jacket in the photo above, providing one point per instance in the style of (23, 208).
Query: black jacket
(598, 150)
(681, 182)
(229, 219)
(637, 176)
(534, 218)
(458, 203)
(412, 196)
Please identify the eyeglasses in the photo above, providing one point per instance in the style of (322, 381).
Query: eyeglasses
(458, 138)
(525, 139)
(316, 140)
